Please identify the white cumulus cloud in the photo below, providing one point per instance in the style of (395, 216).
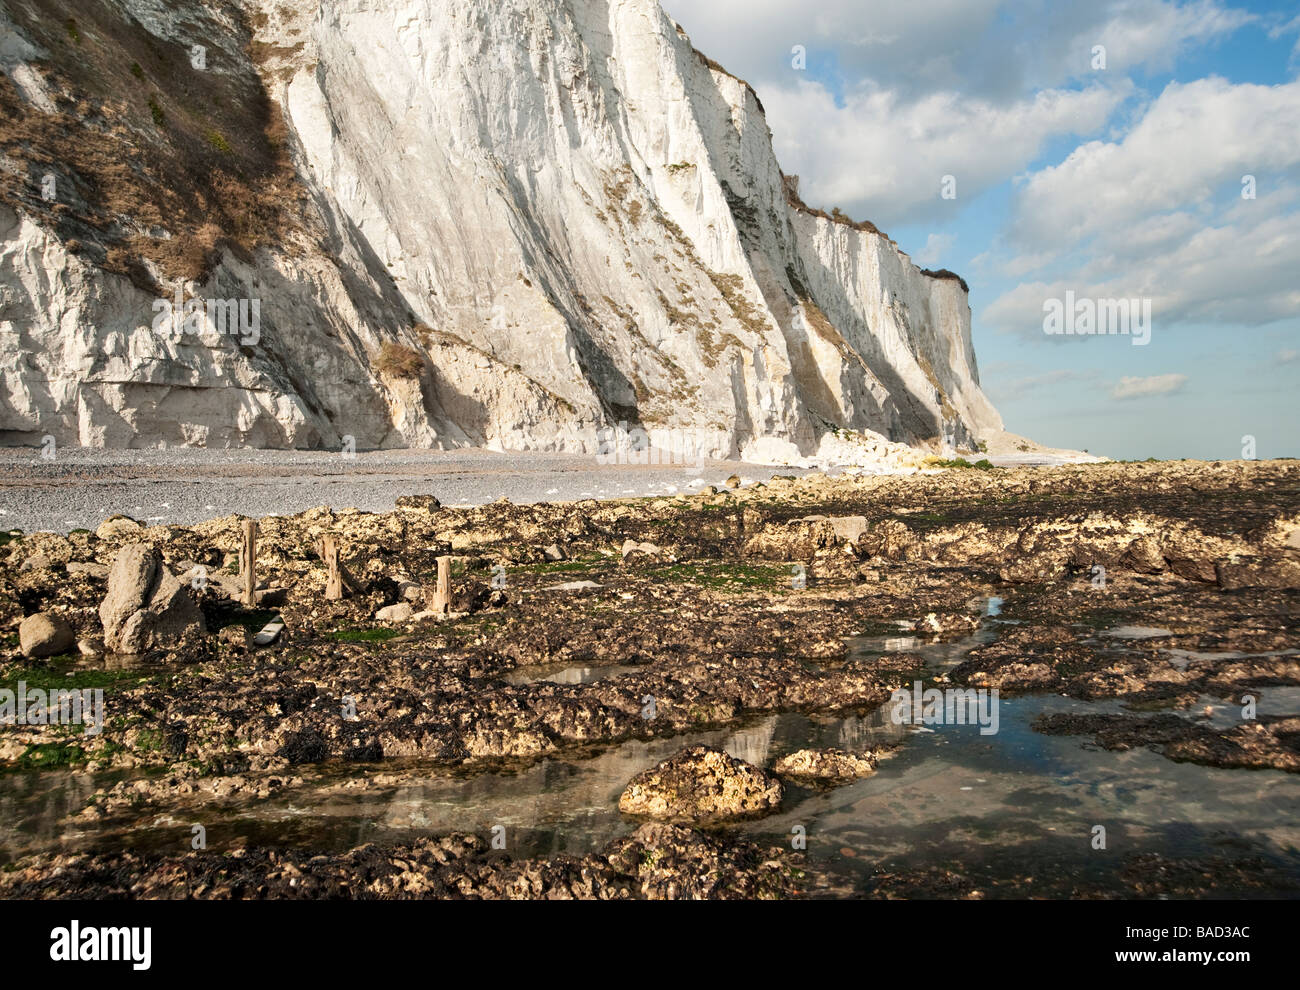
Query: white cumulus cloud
(936, 246)
(1159, 213)
(880, 157)
(1194, 140)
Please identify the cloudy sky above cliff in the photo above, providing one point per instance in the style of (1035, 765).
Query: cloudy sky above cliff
(1118, 179)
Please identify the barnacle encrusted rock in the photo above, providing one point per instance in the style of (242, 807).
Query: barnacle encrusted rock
(831, 766)
(701, 784)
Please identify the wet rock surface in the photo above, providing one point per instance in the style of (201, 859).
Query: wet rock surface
(830, 766)
(701, 785)
(1156, 589)
(657, 862)
(1140, 876)
(1272, 743)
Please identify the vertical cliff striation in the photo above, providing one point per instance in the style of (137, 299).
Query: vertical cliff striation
(512, 223)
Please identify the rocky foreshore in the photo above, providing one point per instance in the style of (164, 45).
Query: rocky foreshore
(1150, 586)
(656, 862)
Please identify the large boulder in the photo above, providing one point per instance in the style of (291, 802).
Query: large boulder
(130, 579)
(701, 784)
(45, 635)
(147, 607)
(117, 527)
(797, 539)
(849, 529)
(1144, 556)
(1194, 569)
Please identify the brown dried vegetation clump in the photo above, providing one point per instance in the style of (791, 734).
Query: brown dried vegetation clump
(945, 273)
(398, 361)
(159, 166)
(791, 184)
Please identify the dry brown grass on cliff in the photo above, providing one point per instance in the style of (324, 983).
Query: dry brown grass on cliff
(792, 198)
(945, 273)
(398, 361)
(155, 161)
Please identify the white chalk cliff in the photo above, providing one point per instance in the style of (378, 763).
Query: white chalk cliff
(572, 216)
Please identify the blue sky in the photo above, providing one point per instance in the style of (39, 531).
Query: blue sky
(1122, 181)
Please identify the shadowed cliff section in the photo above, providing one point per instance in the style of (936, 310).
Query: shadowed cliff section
(153, 159)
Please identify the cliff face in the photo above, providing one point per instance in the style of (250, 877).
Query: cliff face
(501, 222)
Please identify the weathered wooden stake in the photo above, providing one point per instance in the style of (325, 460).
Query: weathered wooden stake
(249, 560)
(334, 586)
(442, 596)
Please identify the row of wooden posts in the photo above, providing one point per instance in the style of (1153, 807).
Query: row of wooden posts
(338, 577)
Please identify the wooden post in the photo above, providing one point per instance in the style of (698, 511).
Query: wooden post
(249, 560)
(442, 596)
(334, 586)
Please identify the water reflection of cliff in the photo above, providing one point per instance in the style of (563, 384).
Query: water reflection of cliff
(573, 807)
(555, 807)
